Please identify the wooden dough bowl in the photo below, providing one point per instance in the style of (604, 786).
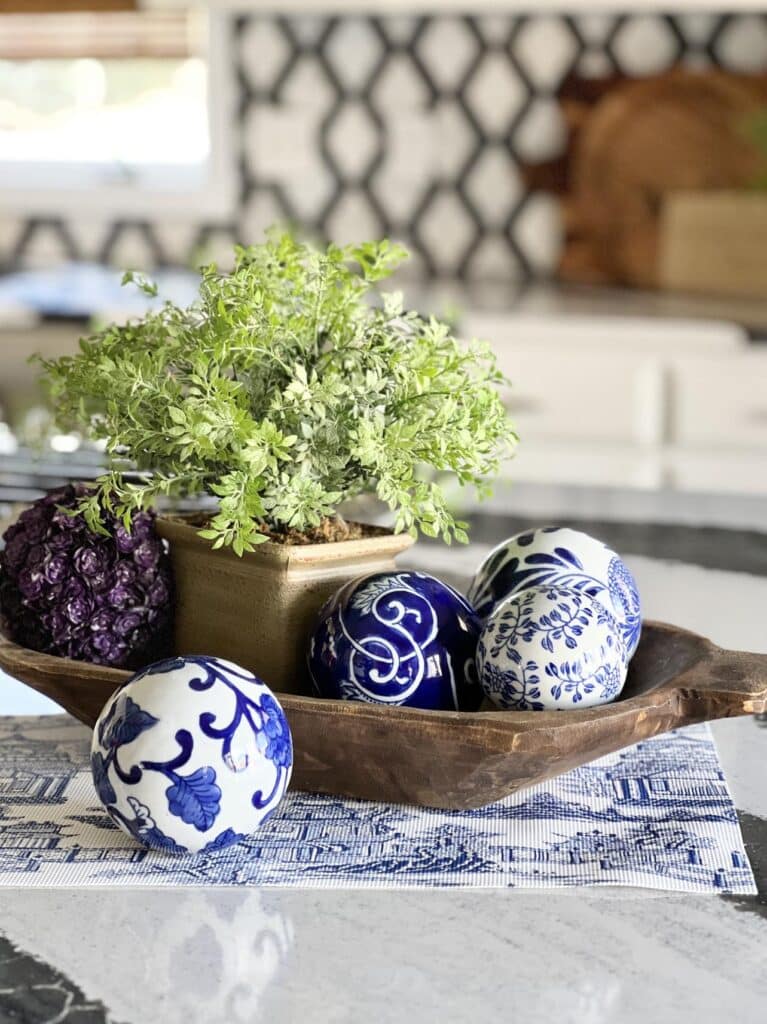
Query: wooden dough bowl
(459, 760)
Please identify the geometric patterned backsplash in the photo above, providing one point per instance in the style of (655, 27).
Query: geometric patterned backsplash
(414, 127)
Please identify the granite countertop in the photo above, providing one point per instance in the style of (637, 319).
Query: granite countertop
(547, 298)
(591, 956)
(77, 292)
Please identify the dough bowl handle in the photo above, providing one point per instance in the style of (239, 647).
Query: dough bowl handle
(727, 683)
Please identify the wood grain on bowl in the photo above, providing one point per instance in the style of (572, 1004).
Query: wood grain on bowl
(460, 760)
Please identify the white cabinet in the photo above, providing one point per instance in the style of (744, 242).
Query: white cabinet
(559, 393)
(587, 464)
(721, 471)
(720, 402)
(627, 401)
(630, 402)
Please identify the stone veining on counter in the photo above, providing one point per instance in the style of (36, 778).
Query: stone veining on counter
(33, 992)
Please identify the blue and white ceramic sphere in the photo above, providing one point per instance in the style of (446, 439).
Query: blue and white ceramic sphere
(191, 754)
(548, 648)
(399, 638)
(560, 557)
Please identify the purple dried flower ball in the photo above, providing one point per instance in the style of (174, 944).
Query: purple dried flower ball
(126, 572)
(70, 592)
(126, 542)
(78, 610)
(157, 594)
(56, 566)
(31, 585)
(147, 554)
(35, 527)
(16, 546)
(88, 561)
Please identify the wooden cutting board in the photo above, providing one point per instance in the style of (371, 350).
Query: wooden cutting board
(714, 243)
(633, 142)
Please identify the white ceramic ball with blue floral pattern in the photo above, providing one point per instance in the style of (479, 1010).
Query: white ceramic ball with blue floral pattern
(560, 557)
(191, 754)
(551, 648)
(397, 638)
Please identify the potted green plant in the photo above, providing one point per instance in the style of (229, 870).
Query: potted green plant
(282, 392)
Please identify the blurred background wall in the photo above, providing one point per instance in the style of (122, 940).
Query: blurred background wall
(586, 191)
(417, 127)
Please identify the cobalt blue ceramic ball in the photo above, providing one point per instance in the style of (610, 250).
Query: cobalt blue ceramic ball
(398, 638)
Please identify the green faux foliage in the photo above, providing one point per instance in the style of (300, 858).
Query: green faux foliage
(283, 391)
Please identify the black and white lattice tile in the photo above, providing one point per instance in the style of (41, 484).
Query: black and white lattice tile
(418, 125)
(214, 243)
(645, 45)
(41, 241)
(739, 43)
(410, 126)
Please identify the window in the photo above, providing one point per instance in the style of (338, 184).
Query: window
(110, 110)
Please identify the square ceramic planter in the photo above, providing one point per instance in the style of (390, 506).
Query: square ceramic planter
(258, 610)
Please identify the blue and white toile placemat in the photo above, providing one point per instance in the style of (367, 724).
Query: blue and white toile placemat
(657, 815)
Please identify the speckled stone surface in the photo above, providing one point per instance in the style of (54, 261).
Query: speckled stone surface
(590, 956)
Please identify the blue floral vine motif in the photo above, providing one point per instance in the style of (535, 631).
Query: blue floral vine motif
(143, 828)
(195, 798)
(129, 725)
(278, 747)
(515, 689)
(561, 567)
(496, 559)
(514, 622)
(114, 732)
(504, 575)
(158, 668)
(610, 681)
(100, 772)
(579, 678)
(625, 599)
(264, 716)
(583, 645)
(566, 621)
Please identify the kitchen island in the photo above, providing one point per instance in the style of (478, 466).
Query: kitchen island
(587, 955)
